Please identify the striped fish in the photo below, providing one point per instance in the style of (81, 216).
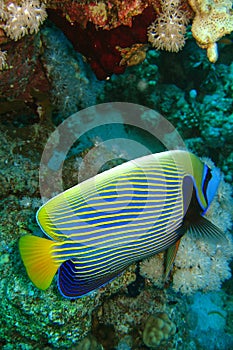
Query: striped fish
(102, 225)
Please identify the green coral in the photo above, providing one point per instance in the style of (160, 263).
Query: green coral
(158, 329)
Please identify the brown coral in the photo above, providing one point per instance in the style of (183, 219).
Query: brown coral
(158, 330)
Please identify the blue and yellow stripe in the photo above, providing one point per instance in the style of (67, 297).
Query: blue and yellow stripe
(99, 227)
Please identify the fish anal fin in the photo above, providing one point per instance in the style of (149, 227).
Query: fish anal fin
(170, 258)
(72, 285)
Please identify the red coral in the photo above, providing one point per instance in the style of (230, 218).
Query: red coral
(25, 73)
(99, 46)
(106, 14)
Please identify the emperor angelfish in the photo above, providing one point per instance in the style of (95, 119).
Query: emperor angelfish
(131, 212)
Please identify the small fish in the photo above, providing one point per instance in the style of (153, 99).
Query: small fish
(131, 212)
(226, 41)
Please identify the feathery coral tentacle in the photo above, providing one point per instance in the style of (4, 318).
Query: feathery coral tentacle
(167, 31)
(22, 19)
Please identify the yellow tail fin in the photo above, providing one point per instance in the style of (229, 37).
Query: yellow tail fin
(36, 254)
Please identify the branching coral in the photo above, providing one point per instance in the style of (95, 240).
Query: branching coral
(20, 20)
(167, 31)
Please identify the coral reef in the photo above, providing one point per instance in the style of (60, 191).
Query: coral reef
(102, 47)
(113, 315)
(213, 19)
(88, 343)
(194, 95)
(115, 27)
(168, 30)
(42, 81)
(137, 85)
(201, 266)
(119, 312)
(23, 84)
(73, 85)
(22, 19)
(158, 329)
(54, 322)
(52, 80)
(18, 20)
(207, 318)
(104, 14)
(153, 269)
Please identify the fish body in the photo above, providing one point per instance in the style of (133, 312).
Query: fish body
(102, 225)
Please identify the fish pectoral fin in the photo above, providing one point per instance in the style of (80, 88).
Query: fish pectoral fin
(36, 253)
(73, 283)
(170, 258)
(203, 228)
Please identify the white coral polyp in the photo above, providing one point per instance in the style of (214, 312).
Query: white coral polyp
(186, 282)
(24, 19)
(202, 265)
(167, 32)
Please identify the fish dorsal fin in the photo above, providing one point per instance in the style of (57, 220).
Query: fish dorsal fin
(205, 229)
